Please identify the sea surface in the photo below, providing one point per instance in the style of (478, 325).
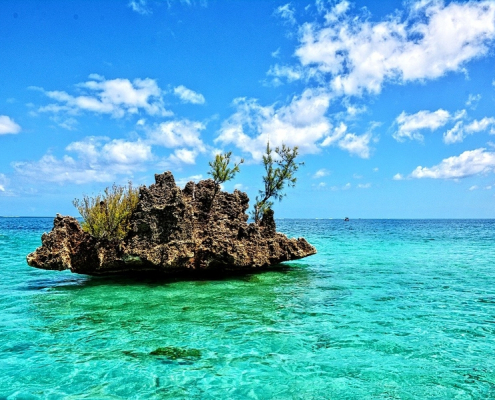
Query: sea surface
(387, 309)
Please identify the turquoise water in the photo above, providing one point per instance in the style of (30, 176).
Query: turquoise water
(387, 309)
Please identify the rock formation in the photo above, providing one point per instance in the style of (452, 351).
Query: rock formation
(173, 231)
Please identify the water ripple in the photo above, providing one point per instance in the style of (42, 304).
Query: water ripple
(385, 310)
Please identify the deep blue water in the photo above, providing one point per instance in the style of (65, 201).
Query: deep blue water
(387, 309)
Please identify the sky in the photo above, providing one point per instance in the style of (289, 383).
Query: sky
(390, 103)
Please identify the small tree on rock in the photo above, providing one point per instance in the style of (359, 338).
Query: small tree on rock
(280, 171)
(220, 170)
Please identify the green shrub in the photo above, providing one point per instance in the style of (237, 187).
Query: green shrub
(107, 215)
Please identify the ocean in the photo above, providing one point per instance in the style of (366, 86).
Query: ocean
(387, 309)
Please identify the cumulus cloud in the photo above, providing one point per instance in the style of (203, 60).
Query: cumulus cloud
(116, 97)
(302, 123)
(321, 173)
(182, 135)
(364, 185)
(461, 129)
(358, 145)
(357, 55)
(472, 162)
(98, 159)
(409, 126)
(188, 95)
(8, 125)
(178, 133)
(183, 156)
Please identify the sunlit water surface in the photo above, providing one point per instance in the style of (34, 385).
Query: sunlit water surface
(387, 309)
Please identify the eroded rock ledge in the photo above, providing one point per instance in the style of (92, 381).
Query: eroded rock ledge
(173, 231)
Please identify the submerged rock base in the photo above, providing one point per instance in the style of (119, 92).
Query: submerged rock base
(173, 231)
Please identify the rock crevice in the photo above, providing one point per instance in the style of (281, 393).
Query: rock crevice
(198, 228)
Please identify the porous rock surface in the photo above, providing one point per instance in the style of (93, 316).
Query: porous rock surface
(173, 231)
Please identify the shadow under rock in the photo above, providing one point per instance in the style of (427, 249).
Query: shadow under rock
(76, 281)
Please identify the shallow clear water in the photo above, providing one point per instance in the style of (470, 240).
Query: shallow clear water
(387, 309)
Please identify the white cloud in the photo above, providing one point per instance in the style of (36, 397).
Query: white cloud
(4, 181)
(178, 133)
(353, 110)
(474, 187)
(364, 185)
(117, 97)
(469, 163)
(283, 71)
(335, 12)
(347, 186)
(358, 55)
(473, 100)
(286, 12)
(125, 153)
(410, 125)
(455, 134)
(98, 159)
(335, 135)
(143, 7)
(461, 130)
(480, 125)
(181, 182)
(188, 95)
(183, 156)
(398, 177)
(301, 123)
(321, 173)
(140, 7)
(8, 125)
(66, 123)
(356, 144)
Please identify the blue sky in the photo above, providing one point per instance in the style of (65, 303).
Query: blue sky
(392, 104)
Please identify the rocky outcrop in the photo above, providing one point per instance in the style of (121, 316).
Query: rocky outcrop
(173, 231)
